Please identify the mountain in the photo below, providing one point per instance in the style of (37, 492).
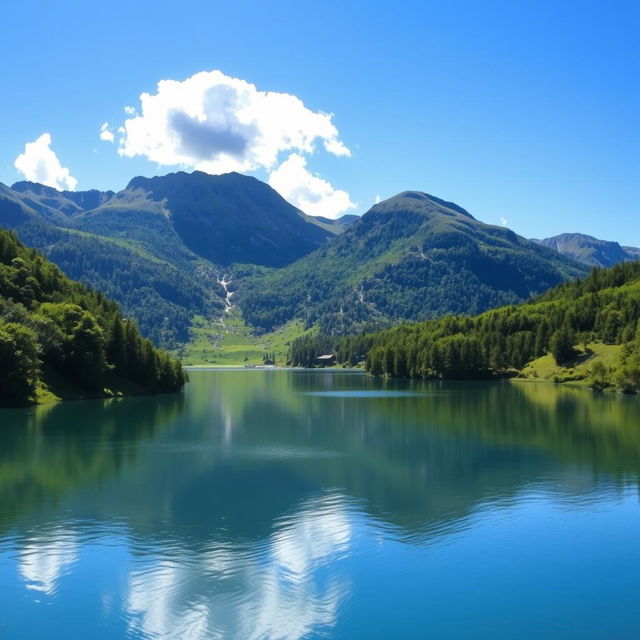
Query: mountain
(55, 334)
(589, 250)
(160, 247)
(339, 224)
(583, 330)
(165, 249)
(411, 257)
(224, 219)
(59, 205)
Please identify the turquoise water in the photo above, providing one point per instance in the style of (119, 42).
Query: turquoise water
(297, 504)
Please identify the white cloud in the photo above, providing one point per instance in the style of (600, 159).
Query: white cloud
(306, 191)
(216, 123)
(130, 111)
(105, 133)
(377, 199)
(503, 222)
(39, 163)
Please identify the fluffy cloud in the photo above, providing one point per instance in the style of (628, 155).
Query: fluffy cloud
(504, 222)
(39, 163)
(306, 191)
(105, 133)
(216, 123)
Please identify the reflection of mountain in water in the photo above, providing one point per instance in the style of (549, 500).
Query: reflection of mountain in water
(253, 445)
(241, 506)
(51, 449)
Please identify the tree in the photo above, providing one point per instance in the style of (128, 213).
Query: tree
(561, 345)
(18, 364)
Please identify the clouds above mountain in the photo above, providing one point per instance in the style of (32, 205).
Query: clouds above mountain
(39, 163)
(308, 192)
(215, 123)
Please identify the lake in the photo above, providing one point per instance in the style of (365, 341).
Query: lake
(306, 504)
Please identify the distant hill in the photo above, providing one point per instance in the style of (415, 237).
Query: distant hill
(59, 338)
(160, 246)
(589, 250)
(411, 257)
(586, 331)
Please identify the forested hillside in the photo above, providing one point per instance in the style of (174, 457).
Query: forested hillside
(55, 332)
(566, 322)
(411, 257)
(161, 246)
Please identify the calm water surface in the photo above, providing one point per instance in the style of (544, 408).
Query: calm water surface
(293, 504)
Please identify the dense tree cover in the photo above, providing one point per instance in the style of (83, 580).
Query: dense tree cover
(604, 307)
(162, 297)
(49, 321)
(412, 257)
(157, 246)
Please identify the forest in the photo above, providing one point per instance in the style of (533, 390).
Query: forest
(412, 257)
(603, 307)
(54, 328)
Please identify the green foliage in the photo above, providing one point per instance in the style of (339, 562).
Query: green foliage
(18, 364)
(412, 257)
(561, 344)
(502, 341)
(600, 377)
(154, 246)
(162, 295)
(47, 320)
(627, 375)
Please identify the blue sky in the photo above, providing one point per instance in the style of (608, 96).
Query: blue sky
(525, 113)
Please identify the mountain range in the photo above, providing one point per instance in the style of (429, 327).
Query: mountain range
(160, 246)
(171, 249)
(411, 257)
(589, 250)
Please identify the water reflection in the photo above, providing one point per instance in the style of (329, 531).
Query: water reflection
(43, 561)
(268, 591)
(249, 507)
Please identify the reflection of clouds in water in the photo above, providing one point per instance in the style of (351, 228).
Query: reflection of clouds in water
(311, 537)
(272, 592)
(43, 561)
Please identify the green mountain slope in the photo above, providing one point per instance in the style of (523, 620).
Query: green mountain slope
(226, 219)
(56, 333)
(161, 246)
(586, 329)
(589, 250)
(411, 257)
(160, 283)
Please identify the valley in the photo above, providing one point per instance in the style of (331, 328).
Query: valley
(222, 271)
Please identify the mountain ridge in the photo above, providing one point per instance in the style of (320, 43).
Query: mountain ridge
(590, 250)
(135, 233)
(163, 246)
(409, 257)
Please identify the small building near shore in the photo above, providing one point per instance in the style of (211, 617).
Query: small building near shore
(326, 360)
